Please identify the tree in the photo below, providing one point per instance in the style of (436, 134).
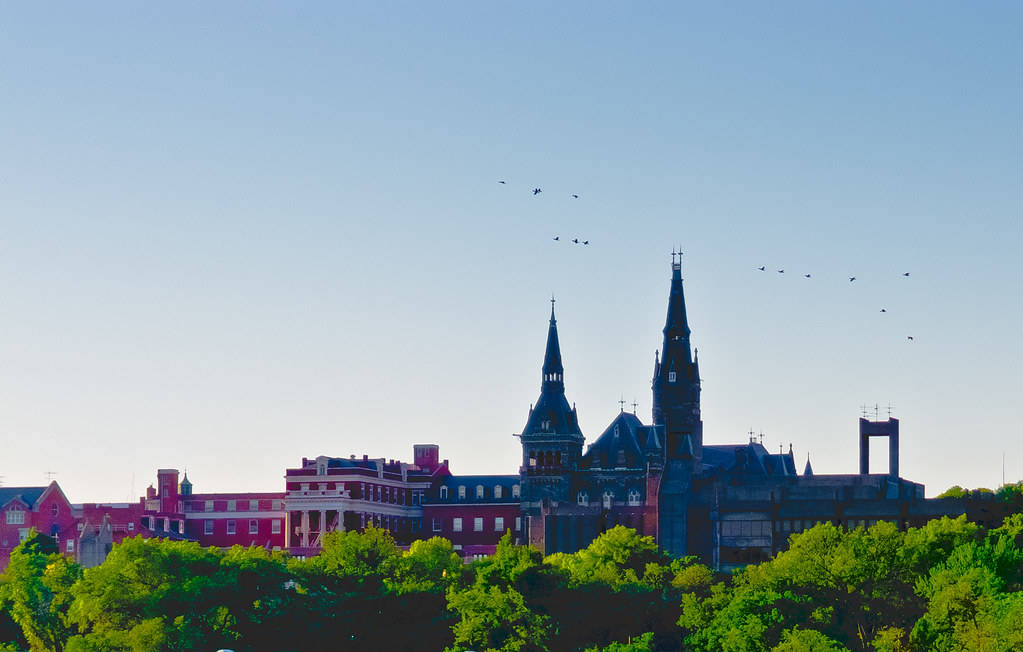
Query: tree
(494, 619)
(36, 591)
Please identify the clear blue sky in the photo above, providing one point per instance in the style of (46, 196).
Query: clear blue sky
(236, 234)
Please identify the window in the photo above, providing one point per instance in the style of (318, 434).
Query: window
(499, 524)
(376, 492)
(305, 486)
(518, 523)
(232, 505)
(209, 506)
(70, 544)
(253, 505)
(131, 526)
(456, 525)
(671, 376)
(275, 526)
(609, 500)
(582, 498)
(15, 517)
(231, 526)
(515, 491)
(479, 491)
(436, 525)
(253, 526)
(633, 497)
(277, 506)
(207, 526)
(443, 493)
(461, 493)
(477, 524)
(54, 510)
(497, 491)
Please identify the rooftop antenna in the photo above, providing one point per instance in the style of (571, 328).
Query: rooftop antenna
(877, 412)
(621, 403)
(752, 435)
(634, 406)
(889, 409)
(761, 437)
(863, 410)
(49, 475)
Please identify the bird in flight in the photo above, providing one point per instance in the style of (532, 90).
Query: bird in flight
(557, 237)
(905, 273)
(761, 268)
(537, 191)
(910, 338)
(586, 242)
(575, 196)
(575, 240)
(883, 310)
(806, 276)
(852, 278)
(501, 182)
(781, 271)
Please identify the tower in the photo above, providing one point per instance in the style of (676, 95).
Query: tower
(676, 409)
(551, 442)
(676, 382)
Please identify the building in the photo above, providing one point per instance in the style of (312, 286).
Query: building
(327, 494)
(474, 512)
(213, 519)
(728, 503)
(44, 508)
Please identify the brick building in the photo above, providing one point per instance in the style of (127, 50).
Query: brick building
(46, 509)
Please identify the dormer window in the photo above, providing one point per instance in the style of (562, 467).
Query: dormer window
(461, 493)
(497, 491)
(671, 376)
(583, 499)
(479, 491)
(515, 491)
(443, 493)
(633, 497)
(609, 500)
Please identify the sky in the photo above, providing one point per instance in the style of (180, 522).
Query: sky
(237, 234)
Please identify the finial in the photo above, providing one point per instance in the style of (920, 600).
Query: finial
(621, 404)
(790, 448)
(552, 306)
(634, 406)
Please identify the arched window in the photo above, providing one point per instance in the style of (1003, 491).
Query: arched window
(497, 491)
(443, 493)
(609, 499)
(671, 376)
(479, 491)
(461, 493)
(633, 497)
(583, 499)
(515, 491)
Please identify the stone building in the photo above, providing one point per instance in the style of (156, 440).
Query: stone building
(728, 503)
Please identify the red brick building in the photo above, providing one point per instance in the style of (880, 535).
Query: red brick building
(474, 512)
(46, 509)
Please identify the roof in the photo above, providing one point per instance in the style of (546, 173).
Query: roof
(625, 442)
(749, 458)
(28, 495)
(470, 482)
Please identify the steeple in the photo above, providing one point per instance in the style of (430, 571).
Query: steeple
(553, 372)
(676, 382)
(808, 470)
(676, 327)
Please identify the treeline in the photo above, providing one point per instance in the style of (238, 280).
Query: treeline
(949, 585)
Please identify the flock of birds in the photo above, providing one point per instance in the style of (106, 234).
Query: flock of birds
(538, 190)
(852, 279)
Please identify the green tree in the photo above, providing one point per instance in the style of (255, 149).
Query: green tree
(494, 619)
(35, 590)
(805, 640)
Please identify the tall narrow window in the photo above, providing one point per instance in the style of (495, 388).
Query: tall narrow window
(443, 493)
(499, 524)
(479, 491)
(477, 524)
(456, 524)
(515, 491)
(207, 526)
(253, 526)
(497, 491)
(609, 500)
(231, 527)
(461, 493)
(582, 498)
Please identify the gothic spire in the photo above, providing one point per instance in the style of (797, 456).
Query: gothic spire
(676, 326)
(553, 372)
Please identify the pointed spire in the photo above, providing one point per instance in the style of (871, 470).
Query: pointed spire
(676, 326)
(553, 372)
(808, 470)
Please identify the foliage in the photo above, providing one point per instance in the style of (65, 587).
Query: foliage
(948, 585)
(36, 592)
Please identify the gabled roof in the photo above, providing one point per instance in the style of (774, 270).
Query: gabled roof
(627, 435)
(749, 458)
(28, 495)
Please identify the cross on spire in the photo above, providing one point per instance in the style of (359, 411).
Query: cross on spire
(634, 406)
(621, 404)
